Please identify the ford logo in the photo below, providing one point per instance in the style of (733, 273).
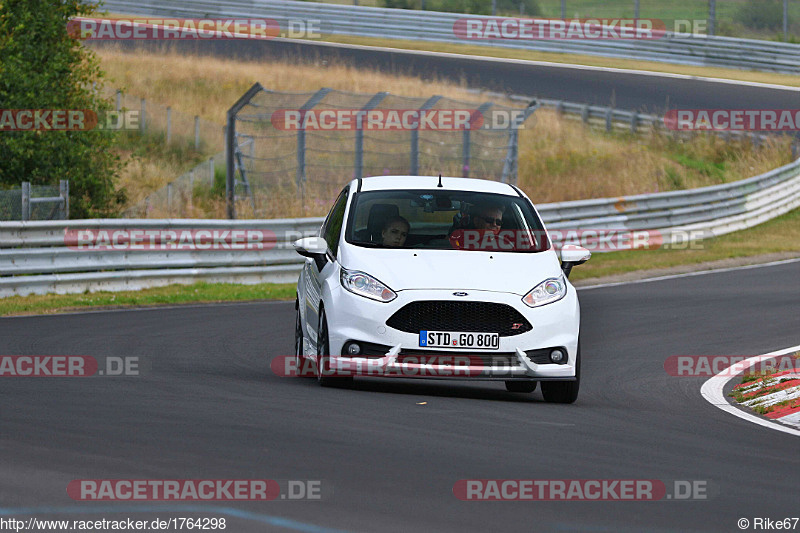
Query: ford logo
(460, 294)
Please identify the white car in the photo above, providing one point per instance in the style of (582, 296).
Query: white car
(450, 278)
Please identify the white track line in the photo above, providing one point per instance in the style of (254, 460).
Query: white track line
(712, 391)
(688, 274)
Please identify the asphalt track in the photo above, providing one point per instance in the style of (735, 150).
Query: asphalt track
(625, 90)
(208, 406)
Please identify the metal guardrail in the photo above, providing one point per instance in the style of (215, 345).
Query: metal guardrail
(36, 257)
(438, 27)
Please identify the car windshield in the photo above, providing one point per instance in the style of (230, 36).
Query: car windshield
(445, 220)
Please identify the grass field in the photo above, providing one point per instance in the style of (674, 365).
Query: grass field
(583, 162)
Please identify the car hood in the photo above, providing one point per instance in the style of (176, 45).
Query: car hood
(409, 269)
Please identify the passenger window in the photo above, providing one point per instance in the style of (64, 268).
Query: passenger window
(332, 230)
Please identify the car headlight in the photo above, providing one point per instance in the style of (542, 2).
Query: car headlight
(549, 291)
(365, 285)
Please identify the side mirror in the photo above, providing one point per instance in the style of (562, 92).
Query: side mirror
(571, 256)
(314, 247)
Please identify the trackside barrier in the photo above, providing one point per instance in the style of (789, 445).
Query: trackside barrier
(42, 256)
(435, 26)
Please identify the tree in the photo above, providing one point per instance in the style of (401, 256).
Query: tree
(42, 67)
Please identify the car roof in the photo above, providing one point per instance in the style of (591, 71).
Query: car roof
(386, 183)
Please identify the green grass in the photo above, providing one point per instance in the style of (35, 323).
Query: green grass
(170, 295)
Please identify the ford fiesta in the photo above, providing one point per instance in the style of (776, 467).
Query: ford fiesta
(433, 277)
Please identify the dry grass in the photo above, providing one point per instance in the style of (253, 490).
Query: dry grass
(560, 159)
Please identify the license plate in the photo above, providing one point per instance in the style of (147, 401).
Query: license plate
(459, 339)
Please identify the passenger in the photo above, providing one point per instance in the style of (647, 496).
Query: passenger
(395, 231)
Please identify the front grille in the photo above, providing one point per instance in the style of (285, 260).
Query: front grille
(483, 317)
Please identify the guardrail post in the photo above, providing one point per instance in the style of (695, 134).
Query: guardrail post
(634, 122)
(795, 151)
(429, 103)
(26, 200)
(560, 107)
(359, 151)
(609, 118)
(169, 198)
(63, 191)
(197, 133)
(169, 124)
(143, 116)
(585, 113)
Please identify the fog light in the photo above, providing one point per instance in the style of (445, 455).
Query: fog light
(557, 356)
(352, 348)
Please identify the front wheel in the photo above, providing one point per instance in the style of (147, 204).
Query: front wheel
(324, 376)
(564, 391)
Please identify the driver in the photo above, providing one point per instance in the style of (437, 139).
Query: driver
(487, 216)
(395, 231)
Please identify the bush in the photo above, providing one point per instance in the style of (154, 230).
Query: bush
(761, 14)
(42, 67)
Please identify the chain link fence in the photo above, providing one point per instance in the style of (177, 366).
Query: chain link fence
(295, 148)
(35, 202)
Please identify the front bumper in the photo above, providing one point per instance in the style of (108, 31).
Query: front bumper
(395, 353)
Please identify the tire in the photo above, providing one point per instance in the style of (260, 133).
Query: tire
(299, 357)
(564, 391)
(323, 356)
(521, 386)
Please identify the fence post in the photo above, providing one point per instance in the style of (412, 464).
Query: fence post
(429, 103)
(230, 141)
(785, 20)
(511, 163)
(197, 133)
(63, 191)
(119, 96)
(300, 179)
(563, 9)
(26, 200)
(712, 17)
(211, 171)
(359, 151)
(636, 9)
(169, 124)
(466, 148)
(143, 117)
